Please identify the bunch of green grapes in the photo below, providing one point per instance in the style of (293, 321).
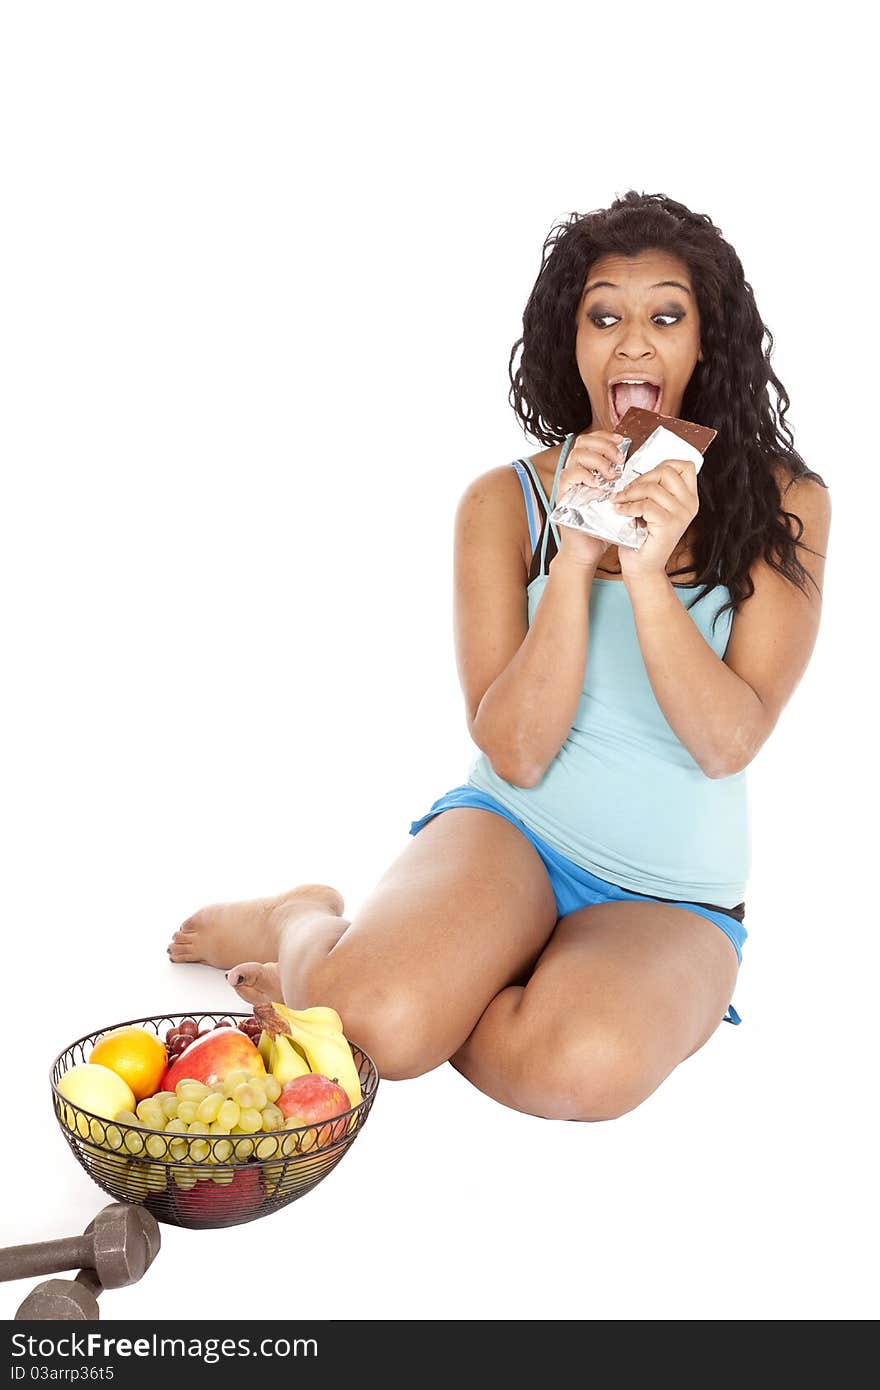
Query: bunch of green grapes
(241, 1108)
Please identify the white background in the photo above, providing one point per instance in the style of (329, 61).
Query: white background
(262, 270)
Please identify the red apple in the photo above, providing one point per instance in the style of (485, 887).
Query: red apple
(312, 1100)
(210, 1202)
(210, 1058)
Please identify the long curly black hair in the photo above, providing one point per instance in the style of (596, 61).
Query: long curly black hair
(741, 515)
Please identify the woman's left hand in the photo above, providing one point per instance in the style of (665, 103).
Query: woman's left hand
(667, 498)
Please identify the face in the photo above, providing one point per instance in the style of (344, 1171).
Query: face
(633, 327)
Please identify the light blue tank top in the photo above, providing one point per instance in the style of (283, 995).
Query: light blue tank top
(623, 797)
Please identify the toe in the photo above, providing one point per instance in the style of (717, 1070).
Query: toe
(246, 974)
(181, 951)
(249, 982)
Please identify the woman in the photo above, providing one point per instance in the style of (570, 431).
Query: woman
(566, 927)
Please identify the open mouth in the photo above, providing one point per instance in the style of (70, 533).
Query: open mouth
(643, 394)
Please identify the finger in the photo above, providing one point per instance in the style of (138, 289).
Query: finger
(597, 453)
(675, 483)
(675, 469)
(657, 517)
(650, 491)
(603, 437)
(650, 484)
(579, 473)
(685, 468)
(652, 510)
(596, 466)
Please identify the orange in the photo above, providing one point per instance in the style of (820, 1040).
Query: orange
(134, 1054)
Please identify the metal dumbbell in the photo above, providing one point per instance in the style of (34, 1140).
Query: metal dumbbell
(68, 1300)
(114, 1250)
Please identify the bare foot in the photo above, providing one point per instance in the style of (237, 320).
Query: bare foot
(256, 983)
(220, 935)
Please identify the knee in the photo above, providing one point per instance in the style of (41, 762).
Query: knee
(594, 1073)
(387, 1020)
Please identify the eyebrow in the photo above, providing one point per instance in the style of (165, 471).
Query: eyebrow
(599, 284)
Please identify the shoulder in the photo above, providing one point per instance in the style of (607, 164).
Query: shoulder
(810, 502)
(493, 491)
(492, 507)
(801, 495)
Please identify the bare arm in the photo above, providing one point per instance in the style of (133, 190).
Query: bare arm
(705, 703)
(529, 708)
(724, 710)
(521, 684)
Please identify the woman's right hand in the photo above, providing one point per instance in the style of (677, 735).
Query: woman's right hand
(592, 453)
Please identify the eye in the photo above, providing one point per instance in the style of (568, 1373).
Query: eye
(597, 319)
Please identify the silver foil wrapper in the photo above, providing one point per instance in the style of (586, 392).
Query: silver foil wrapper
(587, 508)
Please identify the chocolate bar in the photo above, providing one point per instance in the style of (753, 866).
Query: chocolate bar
(588, 508)
(638, 424)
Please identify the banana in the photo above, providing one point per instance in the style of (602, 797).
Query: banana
(321, 1017)
(317, 1034)
(285, 1062)
(264, 1046)
(329, 1054)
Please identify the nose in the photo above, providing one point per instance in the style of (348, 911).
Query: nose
(635, 343)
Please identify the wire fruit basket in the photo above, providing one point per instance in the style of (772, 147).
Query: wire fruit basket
(204, 1181)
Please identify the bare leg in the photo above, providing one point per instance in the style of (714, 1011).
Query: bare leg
(623, 993)
(301, 934)
(220, 935)
(464, 910)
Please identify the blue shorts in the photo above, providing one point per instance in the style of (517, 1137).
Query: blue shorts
(575, 887)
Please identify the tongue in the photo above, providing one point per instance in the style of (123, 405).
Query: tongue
(642, 397)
